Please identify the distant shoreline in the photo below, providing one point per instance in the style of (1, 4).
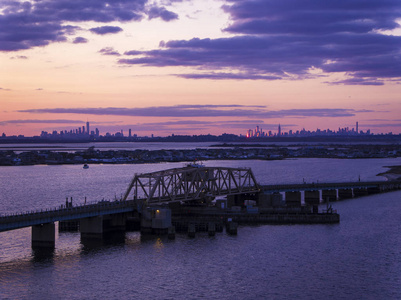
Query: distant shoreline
(394, 173)
(224, 138)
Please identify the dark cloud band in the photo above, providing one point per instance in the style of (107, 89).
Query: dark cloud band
(190, 111)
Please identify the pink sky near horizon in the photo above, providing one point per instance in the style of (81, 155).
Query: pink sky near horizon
(64, 75)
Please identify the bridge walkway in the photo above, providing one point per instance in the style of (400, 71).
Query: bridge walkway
(21, 220)
(328, 186)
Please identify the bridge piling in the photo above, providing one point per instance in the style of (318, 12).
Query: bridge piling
(156, 220)
(344, 194)
(191, 230)
(211, 228)
(330, 195)
(115, 222)
(293, 199)
(358, 192)
(91, 228)
(231, 227)
(312, 198)
(43, 236)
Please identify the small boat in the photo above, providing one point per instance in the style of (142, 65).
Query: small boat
(86, 166)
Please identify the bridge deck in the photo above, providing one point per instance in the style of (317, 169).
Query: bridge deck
(326, 186)
(16, 221)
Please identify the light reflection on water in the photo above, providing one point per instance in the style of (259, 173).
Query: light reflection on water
(358, 258)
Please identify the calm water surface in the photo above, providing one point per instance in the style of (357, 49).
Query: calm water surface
(360, 258)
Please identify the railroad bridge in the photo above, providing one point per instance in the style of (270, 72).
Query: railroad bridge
(147, 193)
(188, 184)
(191, 183)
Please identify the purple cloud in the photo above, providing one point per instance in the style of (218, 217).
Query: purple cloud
(41, 122)
(109, 51)
(221, 75)
(358, 81)
(162, 13)
(19, 57)
(25, 25)
(106, 30)
(80, 40)
(278, 39)
(194, 111)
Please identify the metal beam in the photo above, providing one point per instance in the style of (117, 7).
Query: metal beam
(191, 183)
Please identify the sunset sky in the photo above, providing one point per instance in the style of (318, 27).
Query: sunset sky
(199, 66)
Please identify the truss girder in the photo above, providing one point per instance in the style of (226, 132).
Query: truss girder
(191, 183)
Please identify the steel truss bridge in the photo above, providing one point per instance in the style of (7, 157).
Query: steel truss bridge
(182, 184)
(193, 182)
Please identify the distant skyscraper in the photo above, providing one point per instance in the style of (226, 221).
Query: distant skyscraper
(87, 128)
(129, 132)
(279, 130)
(357, 131)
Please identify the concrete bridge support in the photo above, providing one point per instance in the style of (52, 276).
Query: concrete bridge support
(116, 222)
(156, 220)
(293, 199)
(373, 190)
(235, 200)
(91, 228)
(345, 194)
(211, 228)
(43, 236)
(231, 227)
(358, 192)
(312, 198)
(191, 230)
(264, 200)
(330, 195)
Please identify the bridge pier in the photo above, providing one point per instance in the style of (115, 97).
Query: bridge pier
(191, 230)
(293, 199)
(235, 200)
(330, 195)
(211, 228)
(91, 228)
(312, 198)
(264, 200)
(267, 200)
(231, 227)
(115, 222)
(156, 220)
(373, 190)
(43, 235)
(345, 194)
(358, 192)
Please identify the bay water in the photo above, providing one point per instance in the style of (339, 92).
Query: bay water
(359, 258)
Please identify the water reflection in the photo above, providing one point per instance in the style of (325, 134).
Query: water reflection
(107, 240)
(42, 254)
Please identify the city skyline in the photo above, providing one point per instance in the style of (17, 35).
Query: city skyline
(84, 132)
(199, 67)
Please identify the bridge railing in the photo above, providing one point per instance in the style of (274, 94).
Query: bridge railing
(62, 211)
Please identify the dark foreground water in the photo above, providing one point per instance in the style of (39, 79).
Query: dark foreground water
(360, 258)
